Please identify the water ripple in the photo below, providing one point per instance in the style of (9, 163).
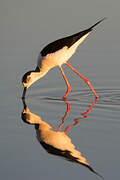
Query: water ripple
(109, 96)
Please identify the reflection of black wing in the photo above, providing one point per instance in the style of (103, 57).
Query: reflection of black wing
(66, 154)
(66, 41)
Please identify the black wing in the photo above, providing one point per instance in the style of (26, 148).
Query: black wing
(67, 41)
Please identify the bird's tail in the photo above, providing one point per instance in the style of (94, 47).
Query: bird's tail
(97, 23)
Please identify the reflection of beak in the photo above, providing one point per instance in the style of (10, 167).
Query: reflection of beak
(24, 92)
(24, 104)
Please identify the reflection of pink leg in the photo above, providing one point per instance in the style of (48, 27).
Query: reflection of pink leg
(64, 117)
(90, 108)
(85, 79)
(88, 111)
(67, 83)
(84, 115)
(76, 122)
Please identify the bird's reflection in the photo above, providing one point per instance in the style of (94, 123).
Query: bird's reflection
(57, 142)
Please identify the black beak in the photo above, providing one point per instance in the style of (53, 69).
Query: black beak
(24, 92)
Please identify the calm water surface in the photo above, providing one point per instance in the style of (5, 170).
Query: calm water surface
(93, 127)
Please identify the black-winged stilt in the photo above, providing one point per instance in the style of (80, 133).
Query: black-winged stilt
(56, 54)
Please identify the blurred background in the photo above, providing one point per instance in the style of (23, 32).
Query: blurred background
(27, 26)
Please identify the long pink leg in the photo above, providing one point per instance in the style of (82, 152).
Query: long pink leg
(67, 83)
(85, 79)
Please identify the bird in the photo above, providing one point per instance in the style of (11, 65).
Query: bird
(55, 142)
(55, 54)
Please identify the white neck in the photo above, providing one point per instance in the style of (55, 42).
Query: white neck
(36, 75)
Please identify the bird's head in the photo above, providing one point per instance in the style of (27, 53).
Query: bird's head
(27, 80)
(30, 77)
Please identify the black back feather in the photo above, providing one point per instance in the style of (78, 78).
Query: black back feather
(66, 41)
